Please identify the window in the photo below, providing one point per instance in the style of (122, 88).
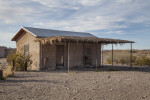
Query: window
(26, 50)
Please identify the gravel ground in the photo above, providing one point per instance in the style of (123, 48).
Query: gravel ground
(77, 85)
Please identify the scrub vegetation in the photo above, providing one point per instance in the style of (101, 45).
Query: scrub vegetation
(122, 57)
(20, 61)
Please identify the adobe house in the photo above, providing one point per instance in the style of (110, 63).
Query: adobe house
(54, 48)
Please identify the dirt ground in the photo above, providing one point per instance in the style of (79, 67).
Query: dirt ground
(83, 84)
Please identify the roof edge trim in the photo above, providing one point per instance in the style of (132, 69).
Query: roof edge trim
(28, 31)
(18, 33)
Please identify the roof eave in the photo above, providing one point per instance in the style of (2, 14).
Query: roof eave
(19, 33)
(86, 39)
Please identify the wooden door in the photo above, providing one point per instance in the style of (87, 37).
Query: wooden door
(88, 56)
(59, 55)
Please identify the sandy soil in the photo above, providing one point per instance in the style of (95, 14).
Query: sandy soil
(78, 85)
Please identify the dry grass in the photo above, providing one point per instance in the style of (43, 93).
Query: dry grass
(53, 40)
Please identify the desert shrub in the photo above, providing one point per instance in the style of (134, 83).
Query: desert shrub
(134, 59)
(10, 58)
(140, 57)
(116, 60)
(139, 62)
(122, 61)
(9, 71)
(142, 61)
(20, 60)
(126, 60)
(108, 61)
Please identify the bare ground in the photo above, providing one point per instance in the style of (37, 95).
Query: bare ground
(126, 84)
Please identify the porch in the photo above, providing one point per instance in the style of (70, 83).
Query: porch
(75, 51)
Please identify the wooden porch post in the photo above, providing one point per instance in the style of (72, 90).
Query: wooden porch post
(83, 55)
(131, 56)
(96, 56)
(102, 47)
(68, 56)
(112, 55)
(41, 56)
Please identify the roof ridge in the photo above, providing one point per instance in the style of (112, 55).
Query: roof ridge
(56, 30)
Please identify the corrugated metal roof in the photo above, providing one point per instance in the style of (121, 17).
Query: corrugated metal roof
(45, 33)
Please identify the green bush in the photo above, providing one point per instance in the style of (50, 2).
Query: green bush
(20, 60)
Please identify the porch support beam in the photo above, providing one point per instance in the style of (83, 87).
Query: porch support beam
(96, 56)
(131, 56)
(112, 55)
(83, 55)
(100, 54)
(68, 57)
(102, 59)
(41, 56)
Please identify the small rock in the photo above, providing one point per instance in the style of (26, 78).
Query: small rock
(68, 88)
(73, 98)
(108, 77)
(20, 98)
(76, 91)
(144, 97)
(130, 85)
(90, 98)
(111, 89)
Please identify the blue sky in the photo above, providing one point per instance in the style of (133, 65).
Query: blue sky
(121, 19)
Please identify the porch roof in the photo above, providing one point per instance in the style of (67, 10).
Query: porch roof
(76, 39)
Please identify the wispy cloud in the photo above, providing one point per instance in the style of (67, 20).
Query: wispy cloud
(96, 14)
(5, 39)
(115, 32)
(113, 16)
(84, 23)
